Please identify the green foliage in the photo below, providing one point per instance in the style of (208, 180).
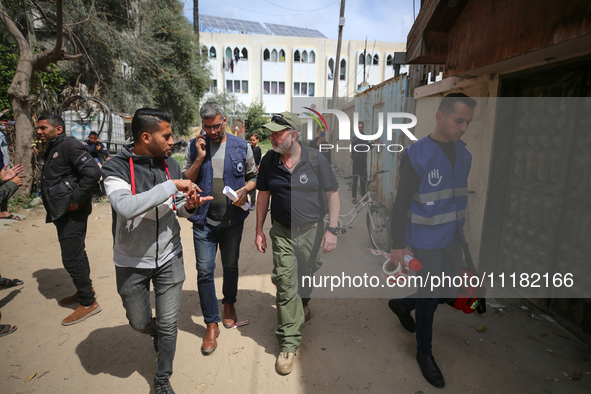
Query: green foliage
(8, 62)
(155, 45)
(229, 101)
(51, 81)
(151, 40)
(179, 157)
(255, 119)
(18, 202)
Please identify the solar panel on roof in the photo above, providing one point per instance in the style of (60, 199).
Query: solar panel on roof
(238, 25)
(292, 31)
(229, 24)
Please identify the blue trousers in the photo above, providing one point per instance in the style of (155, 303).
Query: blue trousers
(206, 240)
(447, 260)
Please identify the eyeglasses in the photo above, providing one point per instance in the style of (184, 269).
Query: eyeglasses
(279, 119)
(215, 127)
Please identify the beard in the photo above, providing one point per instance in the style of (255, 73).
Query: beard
(285, 147)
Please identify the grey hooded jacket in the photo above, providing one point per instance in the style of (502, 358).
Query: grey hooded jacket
(146, 231)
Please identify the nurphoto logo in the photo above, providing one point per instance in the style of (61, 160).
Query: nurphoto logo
(394, 121)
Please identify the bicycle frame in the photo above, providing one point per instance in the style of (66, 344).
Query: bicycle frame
(365, 200)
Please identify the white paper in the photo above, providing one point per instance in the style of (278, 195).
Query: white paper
(231, 194)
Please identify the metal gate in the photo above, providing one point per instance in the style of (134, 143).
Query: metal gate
(541, 183)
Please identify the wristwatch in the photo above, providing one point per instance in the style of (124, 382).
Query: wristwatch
(334, 230)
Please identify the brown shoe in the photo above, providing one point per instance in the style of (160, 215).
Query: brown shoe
(210, 340)
(81, 313)
(71, 299)
(229, 315)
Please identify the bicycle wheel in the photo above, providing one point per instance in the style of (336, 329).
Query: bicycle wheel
(378, 227)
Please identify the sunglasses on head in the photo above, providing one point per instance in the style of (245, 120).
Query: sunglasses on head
(279, 119)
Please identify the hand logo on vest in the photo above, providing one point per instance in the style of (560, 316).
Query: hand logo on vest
(303, 178)
(434, 176)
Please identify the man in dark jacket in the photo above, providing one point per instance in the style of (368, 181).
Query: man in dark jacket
(68, 179)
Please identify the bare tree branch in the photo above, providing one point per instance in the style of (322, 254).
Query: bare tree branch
(22, 42)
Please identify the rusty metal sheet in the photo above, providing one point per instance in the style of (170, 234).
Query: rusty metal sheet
(389, 96)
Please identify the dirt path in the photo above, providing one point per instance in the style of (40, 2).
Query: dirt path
(350, 344)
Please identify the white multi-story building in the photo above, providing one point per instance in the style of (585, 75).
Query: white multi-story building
(273, 64)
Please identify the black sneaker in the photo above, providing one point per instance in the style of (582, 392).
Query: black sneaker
(163, 387)
(405, 318)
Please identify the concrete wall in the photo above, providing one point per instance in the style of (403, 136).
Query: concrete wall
(371, 105)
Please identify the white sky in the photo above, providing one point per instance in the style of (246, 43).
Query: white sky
(382, 20)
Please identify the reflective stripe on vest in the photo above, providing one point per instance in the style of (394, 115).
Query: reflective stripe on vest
(440, 195)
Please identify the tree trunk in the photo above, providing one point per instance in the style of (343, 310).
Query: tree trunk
(19, 89)
(23, 125)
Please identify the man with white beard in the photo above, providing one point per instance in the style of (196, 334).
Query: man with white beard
(296, 177)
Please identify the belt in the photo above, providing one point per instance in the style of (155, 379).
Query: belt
(295, 228)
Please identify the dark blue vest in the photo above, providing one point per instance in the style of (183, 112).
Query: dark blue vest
(234, 171)
(438, 210)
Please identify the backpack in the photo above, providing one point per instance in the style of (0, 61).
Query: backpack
(313, 157)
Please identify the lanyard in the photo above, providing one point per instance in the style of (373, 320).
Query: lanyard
(132, 172)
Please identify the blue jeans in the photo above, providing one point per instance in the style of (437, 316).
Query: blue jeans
(133, 285)
(425, 302)
(206, 239)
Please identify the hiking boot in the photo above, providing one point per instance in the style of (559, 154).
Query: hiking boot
(284, 363)
(163, 387)
(82, 313)
(405, 318)
(71, 299)
(210, 341)
(229, 315)
(307, 313)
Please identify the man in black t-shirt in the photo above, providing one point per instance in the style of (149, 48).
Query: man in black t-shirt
(296, 178)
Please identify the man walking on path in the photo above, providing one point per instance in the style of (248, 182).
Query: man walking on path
(146, 193)
(429, 215)
(256, 152)
(68, 179)
(213, 161)
(296, 178)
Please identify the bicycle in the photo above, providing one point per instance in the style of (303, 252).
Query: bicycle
(378, 223)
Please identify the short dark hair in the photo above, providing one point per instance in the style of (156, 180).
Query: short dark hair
(93, 133)
(53, 120)
(210, 110)
(360, 123)
(254, 135)
(147, 120)
(447, 103)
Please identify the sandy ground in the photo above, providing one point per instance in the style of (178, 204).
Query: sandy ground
(350, 344)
